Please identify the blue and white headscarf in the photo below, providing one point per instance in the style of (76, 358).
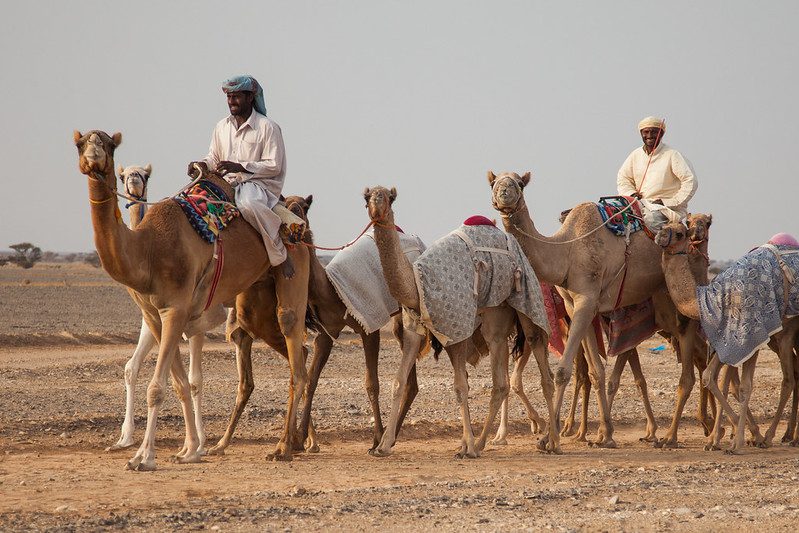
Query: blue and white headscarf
(247, 83)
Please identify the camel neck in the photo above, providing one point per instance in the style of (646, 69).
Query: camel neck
(112, 238)
(548, 258)
(136, 213)
(681, 283)
(396, 267)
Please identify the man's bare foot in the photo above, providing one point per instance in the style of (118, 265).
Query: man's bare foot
(287, 268)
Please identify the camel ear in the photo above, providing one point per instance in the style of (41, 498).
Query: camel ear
(392, 194)
(526, 178)
(120, 170)
(308, 201)
(491, 178)
(282, 198)
(117, 138)
(367, 192)
(148, 169)
(709, 220)
(76, 135)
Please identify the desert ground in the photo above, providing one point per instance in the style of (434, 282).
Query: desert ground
(66, 331)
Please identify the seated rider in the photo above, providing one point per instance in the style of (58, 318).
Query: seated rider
(659, 176)
(247, 149)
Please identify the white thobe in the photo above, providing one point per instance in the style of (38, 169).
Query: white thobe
(257, 145)
(669, 178)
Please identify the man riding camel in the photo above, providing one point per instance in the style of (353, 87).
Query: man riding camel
(247, 149)
(659, 176)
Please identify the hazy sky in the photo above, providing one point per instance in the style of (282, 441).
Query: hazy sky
(426, 96)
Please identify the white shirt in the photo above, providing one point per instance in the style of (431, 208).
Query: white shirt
(669, 178)
(257, 146)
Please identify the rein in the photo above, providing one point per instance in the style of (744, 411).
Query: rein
(369, 225)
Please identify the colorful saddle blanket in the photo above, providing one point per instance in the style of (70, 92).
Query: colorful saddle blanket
(610, 208)
(207, 217)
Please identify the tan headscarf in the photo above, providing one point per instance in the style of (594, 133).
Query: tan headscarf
(652, 122)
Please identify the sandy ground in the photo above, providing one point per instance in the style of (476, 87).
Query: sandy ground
(66, 333)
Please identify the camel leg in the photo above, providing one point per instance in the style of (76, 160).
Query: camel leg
(322, 345)
(196, 383)
(501, 438)
(146, 343)
(684, 388)
(411, 389)
(710, 381)
(615, 377)
(246, 385)
(745, 392)
(580, 326)
(537, 424)
(640, 382)
(551, 440)
(596, 371)
(735, 383)
(457, 355)
(190, 452)
(371, 352)
(717, 431)
(496, 329)
(792, 430)
(411, 344)
(292, 325)
(568, 426)
(173, 322)
(785, 353)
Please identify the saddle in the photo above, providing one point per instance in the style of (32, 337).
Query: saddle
(208, 209)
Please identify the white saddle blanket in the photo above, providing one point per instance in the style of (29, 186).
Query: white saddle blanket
(357, 275)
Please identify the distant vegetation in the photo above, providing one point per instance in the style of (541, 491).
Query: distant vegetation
(26, 255)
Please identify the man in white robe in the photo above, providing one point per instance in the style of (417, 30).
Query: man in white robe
(658, 175)
(247, 149)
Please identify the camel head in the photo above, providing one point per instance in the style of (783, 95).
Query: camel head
(299, 205)
(699, 227)
(96, 151)
(673, 238)
(134, 180)
(506, 190)
(378, 204)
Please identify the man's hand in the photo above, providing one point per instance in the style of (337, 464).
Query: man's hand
(228, 167)
(637, 195)
(192, 172)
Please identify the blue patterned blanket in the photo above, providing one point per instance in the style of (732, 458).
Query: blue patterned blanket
(207, 219)
(743, 306)
(610, 206)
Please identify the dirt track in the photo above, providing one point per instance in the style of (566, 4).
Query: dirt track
(61, 404)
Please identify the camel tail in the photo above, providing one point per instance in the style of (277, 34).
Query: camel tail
(312, 322)
(518, 341)
(437, 346)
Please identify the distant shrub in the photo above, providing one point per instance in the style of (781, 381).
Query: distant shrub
(93, 259)
(26, 254)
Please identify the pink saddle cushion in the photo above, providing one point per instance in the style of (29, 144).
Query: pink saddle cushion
(478, 220)
(783, 239)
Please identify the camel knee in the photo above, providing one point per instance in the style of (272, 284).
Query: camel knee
(196, 385)
(640, 383)
(516, 385)
(131, 372)
(562, 376)
(461, 393)
(155, 395)
(613, 386)
(501, 391)
(287, 320)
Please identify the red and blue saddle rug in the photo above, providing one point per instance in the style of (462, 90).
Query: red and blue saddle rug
(206, 216)
(615, 209)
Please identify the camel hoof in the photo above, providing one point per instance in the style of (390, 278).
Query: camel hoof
(125, 445)
(187, 458)
(712, 447)
(217, 450)
(608, 443)
(499, 442)
(648, 438)
(279, 457)
(667, 444)
(137, 465)
(377, 452)
(467, 455)
(732, 451)
(580, 438)
(567, 431)
(313, 448)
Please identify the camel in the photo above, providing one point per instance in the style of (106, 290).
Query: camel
(134, 182)
(497, 323)
(331, 316)
(588, 264)
(168, 270)
(682, 284)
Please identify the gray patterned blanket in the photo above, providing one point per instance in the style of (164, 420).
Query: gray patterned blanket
(456, 280)
(744, 305)
(357, 276)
